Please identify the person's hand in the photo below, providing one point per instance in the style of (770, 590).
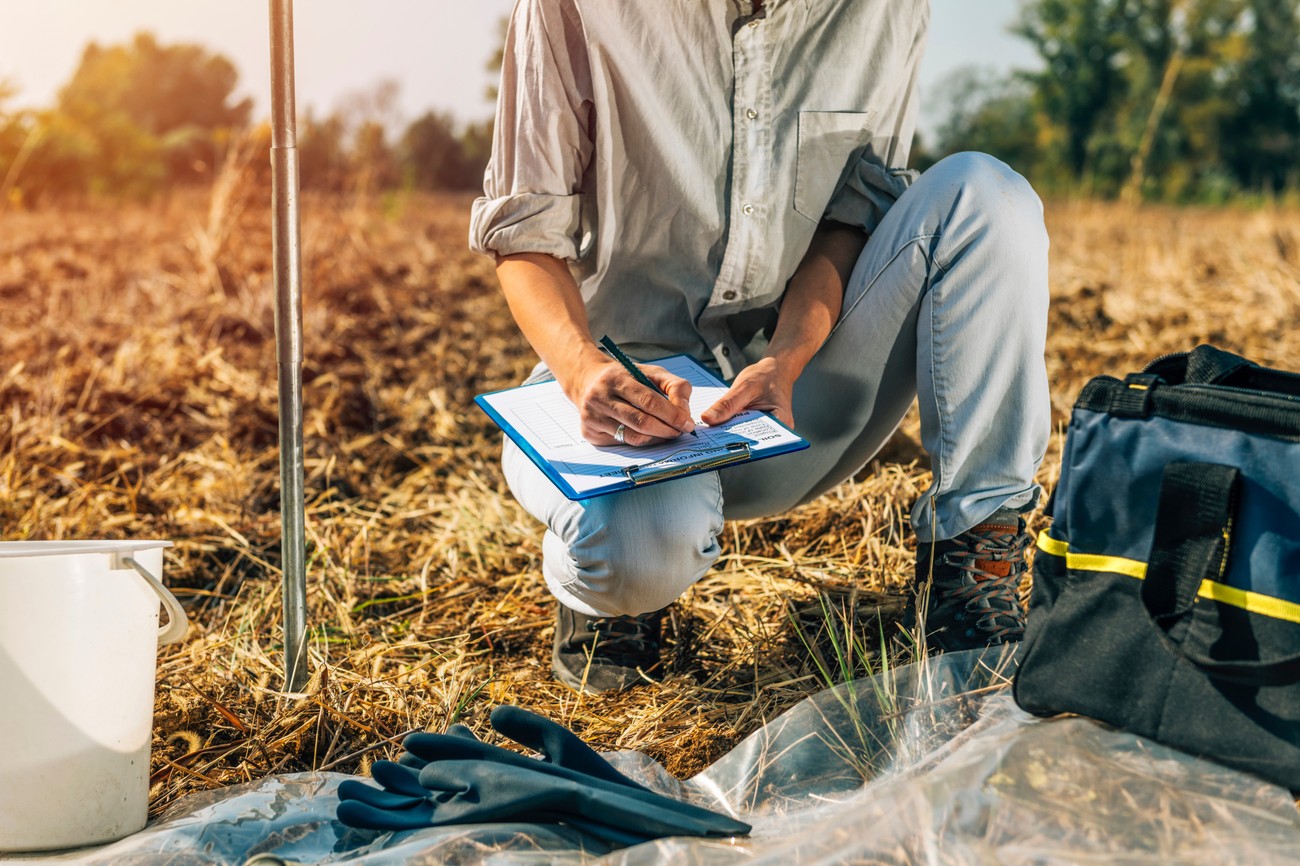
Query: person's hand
(606, 396)
(761, 385)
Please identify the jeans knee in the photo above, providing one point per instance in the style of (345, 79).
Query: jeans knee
(635, 556)
(995, 211)
(992, 183)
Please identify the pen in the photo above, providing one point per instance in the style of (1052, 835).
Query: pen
(635, 372)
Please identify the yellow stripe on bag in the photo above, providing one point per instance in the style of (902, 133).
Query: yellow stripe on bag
(1264, 605)
(1254, 602)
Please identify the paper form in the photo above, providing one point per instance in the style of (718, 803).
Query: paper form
(542, 420)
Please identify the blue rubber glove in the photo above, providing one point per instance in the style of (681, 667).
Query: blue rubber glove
(556, 744)
(454, 778)
(485, 791)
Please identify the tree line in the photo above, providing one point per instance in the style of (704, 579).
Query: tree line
(138, 118)
(1176, 100)
(1145, 99)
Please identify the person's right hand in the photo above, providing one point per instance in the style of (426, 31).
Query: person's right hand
(606, 396)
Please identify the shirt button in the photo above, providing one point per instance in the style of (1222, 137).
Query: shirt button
(728, 295)
(726, 352)
(751, 114)
(747, 209)
(753, 23)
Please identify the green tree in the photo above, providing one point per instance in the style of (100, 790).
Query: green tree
(60, 157)
(323, 153)
(1081, 46)
(160, 88)
(17, 139)
(1165, 139)
(431, 154)
(992, 113)
(1172, 98)
(476, 148)
(1261, 131)
(374, 164)
(366, 116)
(171, 103)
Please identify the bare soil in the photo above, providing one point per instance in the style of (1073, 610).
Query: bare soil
(138, 400)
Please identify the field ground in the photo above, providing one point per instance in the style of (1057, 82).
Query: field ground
(137, 399)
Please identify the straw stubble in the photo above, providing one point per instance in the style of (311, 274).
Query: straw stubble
(137, 399)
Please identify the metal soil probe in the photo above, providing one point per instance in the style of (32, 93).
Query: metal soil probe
(287, 256)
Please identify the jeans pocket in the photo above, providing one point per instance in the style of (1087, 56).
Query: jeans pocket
(827, 141)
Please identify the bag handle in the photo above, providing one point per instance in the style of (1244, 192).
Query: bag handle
(178, 624)
(1197, 505)
(1207, 365)
(1204, 365)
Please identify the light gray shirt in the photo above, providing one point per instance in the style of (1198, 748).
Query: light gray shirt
(679, 154)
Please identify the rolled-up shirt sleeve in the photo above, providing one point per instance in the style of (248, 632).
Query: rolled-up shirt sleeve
(542, 142)
(877, 176)
(867, 193)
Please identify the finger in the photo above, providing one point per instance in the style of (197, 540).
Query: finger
(605, 433)
(406, 759)
(397, 778)
(640, 426)
(678, 391)
(354, 813)
(736, 400)
(462, 731)
(600, 423)
(660, 410)
(445, 747)
(616, 398)
(380, 798)
(458, 732)
(560, 745)
(623, 387)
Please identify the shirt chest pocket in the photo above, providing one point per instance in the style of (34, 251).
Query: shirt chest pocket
(826, 141)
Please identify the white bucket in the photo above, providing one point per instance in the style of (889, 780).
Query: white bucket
(79, 639)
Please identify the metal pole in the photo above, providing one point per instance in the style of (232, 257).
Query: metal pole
(287, 254)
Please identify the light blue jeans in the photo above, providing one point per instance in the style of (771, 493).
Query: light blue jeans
(947, 304)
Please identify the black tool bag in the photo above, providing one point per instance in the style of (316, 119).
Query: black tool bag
(1166, 596)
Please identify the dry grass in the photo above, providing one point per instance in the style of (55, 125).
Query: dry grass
(137, 399)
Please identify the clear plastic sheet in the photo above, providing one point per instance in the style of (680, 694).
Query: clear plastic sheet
(932, 763)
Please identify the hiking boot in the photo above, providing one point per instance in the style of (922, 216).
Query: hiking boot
(970, 586)
(597, 654)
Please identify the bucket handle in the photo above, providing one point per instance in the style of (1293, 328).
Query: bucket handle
(177, 623)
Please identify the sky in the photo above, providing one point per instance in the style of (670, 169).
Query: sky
(436, 49)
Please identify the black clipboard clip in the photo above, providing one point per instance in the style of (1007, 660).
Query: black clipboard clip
(678, 463)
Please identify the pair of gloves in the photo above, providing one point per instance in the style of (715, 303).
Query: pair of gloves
(455, 778)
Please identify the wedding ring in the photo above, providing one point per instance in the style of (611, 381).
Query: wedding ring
(618, 434)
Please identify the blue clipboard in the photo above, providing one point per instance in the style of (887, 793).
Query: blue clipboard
(543, 424)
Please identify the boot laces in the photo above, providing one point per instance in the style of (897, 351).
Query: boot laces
(989, 595)
(632, 636)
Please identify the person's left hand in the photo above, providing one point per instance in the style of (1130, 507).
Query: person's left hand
(761, 385)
